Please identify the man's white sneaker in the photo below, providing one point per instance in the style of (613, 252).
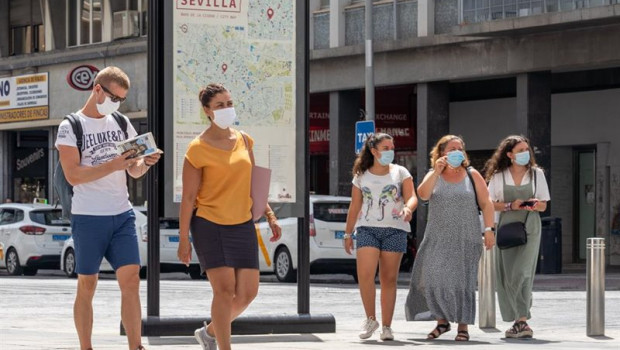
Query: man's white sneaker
(369, 326)
(386, 333)
(204, 339)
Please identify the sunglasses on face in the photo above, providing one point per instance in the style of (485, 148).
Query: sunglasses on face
(113, 97)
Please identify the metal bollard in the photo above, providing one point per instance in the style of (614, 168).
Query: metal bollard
(486, 289)
(595, 286)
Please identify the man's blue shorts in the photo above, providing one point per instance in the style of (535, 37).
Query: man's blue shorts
(112, 236)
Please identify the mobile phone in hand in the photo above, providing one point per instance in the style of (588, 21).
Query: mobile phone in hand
(527, 204)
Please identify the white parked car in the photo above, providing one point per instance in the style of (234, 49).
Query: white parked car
(169, 241)
(328, 216)
(32, 236)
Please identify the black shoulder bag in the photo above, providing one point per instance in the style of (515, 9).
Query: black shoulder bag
(514, 234)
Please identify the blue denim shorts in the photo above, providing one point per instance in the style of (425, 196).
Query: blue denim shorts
(112, 236)
(385, 239)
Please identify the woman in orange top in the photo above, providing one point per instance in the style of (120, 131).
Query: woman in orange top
(216, 203)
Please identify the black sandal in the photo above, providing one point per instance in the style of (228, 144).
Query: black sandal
(439, 330)
(462, 336)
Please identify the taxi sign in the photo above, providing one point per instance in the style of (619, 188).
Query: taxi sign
(363, 130)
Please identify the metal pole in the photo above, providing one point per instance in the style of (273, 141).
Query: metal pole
(595, 286)
(370, 79)
(303, 228)
(486, 289)
(155, 115)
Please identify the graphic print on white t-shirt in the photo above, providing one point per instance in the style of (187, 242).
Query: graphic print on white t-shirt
(107, 195)
(382, 200)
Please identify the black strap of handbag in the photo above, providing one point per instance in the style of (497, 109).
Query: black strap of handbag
(471, 179)
(533, 177)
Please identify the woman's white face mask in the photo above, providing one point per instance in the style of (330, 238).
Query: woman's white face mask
(225, 117)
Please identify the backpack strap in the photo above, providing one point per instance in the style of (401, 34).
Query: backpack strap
(76, 125)
(121, 120)
(471, 179)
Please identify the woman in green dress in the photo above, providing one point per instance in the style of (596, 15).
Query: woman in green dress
(518, 189)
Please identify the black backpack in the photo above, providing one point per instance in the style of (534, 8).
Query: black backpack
(64, 190)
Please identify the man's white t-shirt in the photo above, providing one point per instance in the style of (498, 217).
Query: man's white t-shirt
(107, 195)
(382, 198)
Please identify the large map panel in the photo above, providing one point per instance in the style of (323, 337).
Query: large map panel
(249, 46)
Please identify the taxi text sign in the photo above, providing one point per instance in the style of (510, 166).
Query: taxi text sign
(363, 130)
(24, 97)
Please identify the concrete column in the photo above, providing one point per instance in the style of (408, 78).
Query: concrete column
(433, 123)
(107, 24)
(344, 111)
(47, 22)
(336, 22)
(426, 17)
(534, 116)
(4, 167)
(314, 5)
(4, 24)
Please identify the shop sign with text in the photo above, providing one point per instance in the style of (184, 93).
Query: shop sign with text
(24, 98)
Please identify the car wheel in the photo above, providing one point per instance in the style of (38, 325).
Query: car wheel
(12, 263)
(30, 271)
(196, 274)
(69, 263)
(283, 266)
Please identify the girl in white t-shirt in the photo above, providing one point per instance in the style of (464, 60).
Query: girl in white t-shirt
(518, 189)
(382, 204)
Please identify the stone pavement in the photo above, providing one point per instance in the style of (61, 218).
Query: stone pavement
(36, 313)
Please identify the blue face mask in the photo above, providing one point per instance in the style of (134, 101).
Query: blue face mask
(522, 158)
(386, 157)
(455, 158)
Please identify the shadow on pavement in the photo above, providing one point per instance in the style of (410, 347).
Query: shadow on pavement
(240, 339)
(530, 341)
(271, 338)
(490, 330)
(600, 337)
(448, 341)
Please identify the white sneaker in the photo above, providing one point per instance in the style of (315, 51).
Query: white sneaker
(204, 339)
(369, 326)
(386, 333)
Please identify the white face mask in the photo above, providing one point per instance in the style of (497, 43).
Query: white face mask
(225, 117)
(107, 107)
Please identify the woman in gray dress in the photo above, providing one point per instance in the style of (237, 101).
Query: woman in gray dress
(443, 282)
(510, 173)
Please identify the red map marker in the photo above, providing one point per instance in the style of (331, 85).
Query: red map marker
(270, 12)
(224, 67)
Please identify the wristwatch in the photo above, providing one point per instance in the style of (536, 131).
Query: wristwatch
(492, 229)
(346, 236)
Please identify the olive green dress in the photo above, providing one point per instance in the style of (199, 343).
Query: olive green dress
(516, 266)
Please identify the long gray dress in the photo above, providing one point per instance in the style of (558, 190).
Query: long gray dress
(443, 282)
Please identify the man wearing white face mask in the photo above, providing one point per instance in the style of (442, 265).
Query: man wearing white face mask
(102, 220)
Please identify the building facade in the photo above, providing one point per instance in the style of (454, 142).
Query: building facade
(548, 69)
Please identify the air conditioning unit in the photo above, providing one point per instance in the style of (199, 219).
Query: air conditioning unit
(125, 24)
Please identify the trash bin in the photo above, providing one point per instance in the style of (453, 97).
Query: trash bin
(550, 255)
